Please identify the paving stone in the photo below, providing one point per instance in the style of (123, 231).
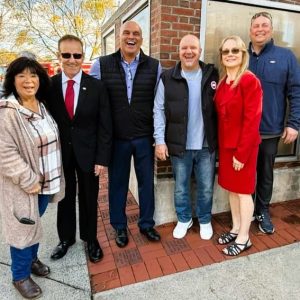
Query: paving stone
(104, 214)
(133, 218)
(175, 246)
(133, 256)
(130, 201)
(140, 239)
(140, 272)
(291, 219)
(110, 232)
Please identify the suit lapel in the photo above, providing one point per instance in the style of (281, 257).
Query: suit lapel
(60, 97)
(82, 94)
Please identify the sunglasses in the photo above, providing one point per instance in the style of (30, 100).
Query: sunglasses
(68, 55)
(262, 14)
(233, 51)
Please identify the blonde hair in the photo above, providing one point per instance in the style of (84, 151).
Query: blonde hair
(245, 59)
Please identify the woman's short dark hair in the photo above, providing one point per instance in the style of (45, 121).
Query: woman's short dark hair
(18, 66)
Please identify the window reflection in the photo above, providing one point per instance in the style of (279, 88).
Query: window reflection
(225, 19)
(109, 43)
(142, 17)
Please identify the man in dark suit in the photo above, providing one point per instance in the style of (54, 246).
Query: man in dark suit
(80, 106)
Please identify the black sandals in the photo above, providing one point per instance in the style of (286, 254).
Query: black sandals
(236, 248)
(227, 237)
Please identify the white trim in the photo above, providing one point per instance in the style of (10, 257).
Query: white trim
(131, 12)
(109, 30)
(289, 158)
(203, 27)
(269, 4)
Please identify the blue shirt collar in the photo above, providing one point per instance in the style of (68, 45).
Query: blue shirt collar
(137, 57)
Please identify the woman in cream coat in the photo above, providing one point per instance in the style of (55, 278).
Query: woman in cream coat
(30, 169)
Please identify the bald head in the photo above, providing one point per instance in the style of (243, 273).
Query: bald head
(130, 40)
(189, 38)
(189, 52)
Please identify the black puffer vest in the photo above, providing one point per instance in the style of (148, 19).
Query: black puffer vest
(135, 119)
(176, 107)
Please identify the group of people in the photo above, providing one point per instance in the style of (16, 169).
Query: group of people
(57, 135)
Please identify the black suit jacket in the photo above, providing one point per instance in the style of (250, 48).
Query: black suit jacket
(89, 133)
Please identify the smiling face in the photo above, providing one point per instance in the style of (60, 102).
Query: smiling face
(232, 55)
(189, 52)
(260, 31)
(130, 40)
(70, 65)
(27, 84)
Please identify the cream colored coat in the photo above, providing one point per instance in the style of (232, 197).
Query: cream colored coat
(19, 172)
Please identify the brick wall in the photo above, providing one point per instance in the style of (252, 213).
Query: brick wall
(170, 20)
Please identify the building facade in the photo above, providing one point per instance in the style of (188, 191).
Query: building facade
(164, 23)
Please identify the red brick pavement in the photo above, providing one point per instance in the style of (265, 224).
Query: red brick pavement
(142, 260)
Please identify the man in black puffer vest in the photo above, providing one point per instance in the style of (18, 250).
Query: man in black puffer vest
(130, 77)
(186, 129)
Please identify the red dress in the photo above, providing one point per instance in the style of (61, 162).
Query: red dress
(239, 112)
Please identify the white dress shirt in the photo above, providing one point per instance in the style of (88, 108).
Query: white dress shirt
(76, 86)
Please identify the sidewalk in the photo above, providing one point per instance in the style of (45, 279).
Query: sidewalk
(69, 276)
(171, 269)
(268, 275)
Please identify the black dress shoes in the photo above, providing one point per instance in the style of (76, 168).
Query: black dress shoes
(94, 251)
(151, 234)
(61, 249)
(121, 237)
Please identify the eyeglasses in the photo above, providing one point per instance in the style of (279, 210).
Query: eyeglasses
(233, 51)
(68, 55)
(262, 14)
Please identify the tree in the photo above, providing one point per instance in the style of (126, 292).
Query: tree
(40, 23)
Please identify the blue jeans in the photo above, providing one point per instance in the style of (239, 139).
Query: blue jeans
(22, 258)
(203, 164)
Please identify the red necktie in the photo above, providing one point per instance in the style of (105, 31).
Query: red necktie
(69, 101)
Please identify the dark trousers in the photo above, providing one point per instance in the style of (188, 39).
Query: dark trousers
(88, 188)
(119, 170)
(21, 259)
(265, 163)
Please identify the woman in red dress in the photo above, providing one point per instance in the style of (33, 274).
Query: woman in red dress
(239, 105)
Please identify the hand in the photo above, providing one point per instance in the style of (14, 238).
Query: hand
(289, 135)
(99, 169)
(237, 165)
(35, 190)
(161, 152)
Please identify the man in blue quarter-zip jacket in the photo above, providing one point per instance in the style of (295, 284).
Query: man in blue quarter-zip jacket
(279, 73)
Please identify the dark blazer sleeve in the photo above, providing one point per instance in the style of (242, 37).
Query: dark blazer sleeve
(251, 92)
(104, 132)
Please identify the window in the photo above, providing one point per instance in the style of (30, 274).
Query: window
(141, 15)
(109, 42)
(223, 19)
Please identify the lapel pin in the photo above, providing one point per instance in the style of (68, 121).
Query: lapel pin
(84, 88)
